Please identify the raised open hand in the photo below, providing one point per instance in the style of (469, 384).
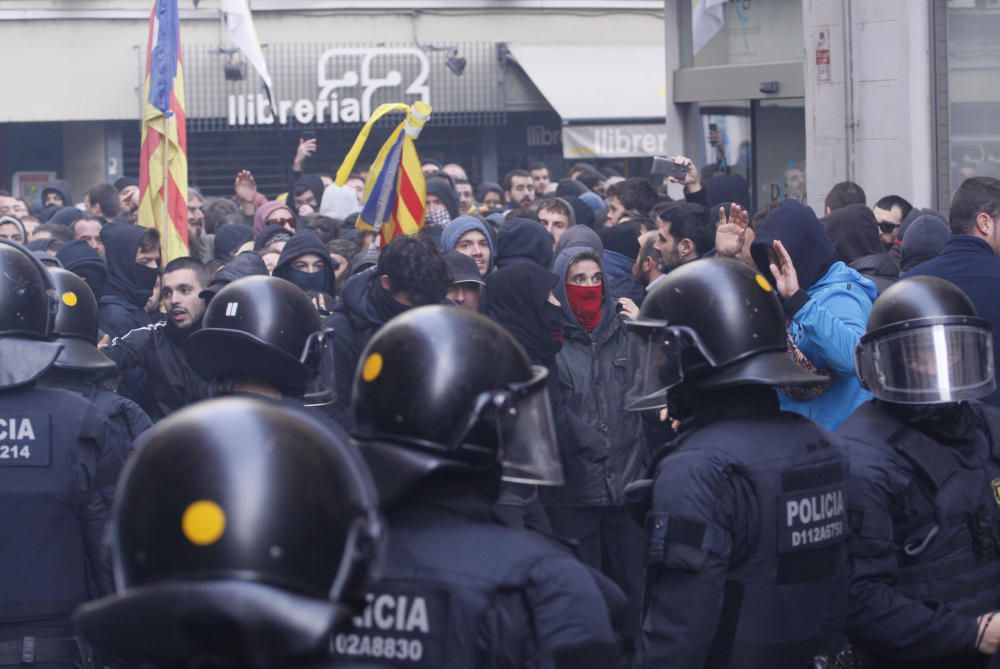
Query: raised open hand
(784, 272)
(730, 236)
(245, 186)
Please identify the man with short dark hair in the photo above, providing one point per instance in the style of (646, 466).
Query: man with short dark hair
(88, 229)
(519, 189)
(539, 177)
(158, 348)
(633, 193)
(648, 266)
(890, 212)
(969, 258)
(843, 194)
(102, 200)
(466, 196)
(410, 272)
(686, 233)
(557, 216)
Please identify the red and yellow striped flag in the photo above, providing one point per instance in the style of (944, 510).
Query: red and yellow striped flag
(163, 155)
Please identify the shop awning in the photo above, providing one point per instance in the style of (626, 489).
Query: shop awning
(598, 82)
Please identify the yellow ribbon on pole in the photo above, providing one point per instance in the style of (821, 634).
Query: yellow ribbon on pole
(351, 158)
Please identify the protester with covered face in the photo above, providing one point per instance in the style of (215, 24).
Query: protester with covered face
(605, 449)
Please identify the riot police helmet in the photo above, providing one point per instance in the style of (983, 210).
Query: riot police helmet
(441, 388)
(714, 323)
(27, 311)
(262, 327)
(76, 325)
(926, 344)
(242, 532)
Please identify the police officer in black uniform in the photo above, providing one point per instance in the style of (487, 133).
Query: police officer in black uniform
(443, 399)
(81, 368)
(746, 522)
(924, 497)
(262, 335)
(57, 477)
(243, 536)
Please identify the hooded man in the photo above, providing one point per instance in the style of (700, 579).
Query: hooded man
(579, 235)
(827, 304)
(56, 193)
(305, 262)
(13, 230)
(307, 192)
(604, 447)
(926, 235)
(133, 257)
(523, 240)
(80, 258)
(157, 350)
(621, 249)
(471, 237)
(442, 201)
(854, 233)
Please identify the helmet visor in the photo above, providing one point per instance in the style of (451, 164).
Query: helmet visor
(529, 453)
(317, 356)
(654, 364)
(928, 365)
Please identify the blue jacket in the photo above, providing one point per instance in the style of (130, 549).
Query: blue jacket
(827, 327)
(969, 263)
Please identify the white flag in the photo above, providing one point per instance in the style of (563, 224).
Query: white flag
(239, 24)
(707, 19)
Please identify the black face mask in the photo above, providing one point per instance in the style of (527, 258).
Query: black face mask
(307, 281)
(145, 277)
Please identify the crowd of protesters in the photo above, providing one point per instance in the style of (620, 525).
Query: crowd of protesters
(563, 266)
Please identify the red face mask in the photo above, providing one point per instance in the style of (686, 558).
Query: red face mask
(585, 301)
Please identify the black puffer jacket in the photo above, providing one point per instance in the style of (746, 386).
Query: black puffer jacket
(362, 309)
(605, 447)
(158, 350)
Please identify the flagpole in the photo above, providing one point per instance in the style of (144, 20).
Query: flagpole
(165, 188)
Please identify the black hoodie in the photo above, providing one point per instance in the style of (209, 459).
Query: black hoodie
(802, 235)
(302, 243)
(363, 308)
(517, 297)
(523, 240)
(311, 181)
(130, 285)
(58, 186)
(78, 257)
(854, 233)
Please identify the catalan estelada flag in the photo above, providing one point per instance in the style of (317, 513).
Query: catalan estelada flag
(163, 155)
(395, 190)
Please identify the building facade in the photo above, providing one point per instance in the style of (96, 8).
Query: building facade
(796, 95)
(503, 78)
